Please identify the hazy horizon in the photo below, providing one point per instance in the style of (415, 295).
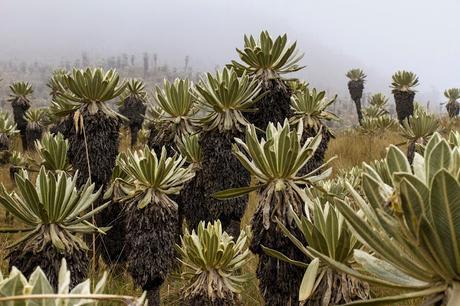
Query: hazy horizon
(335, 36)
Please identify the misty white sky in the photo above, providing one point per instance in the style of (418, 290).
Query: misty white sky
(336, 35)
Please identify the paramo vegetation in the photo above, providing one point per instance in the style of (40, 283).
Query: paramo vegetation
(235, 189)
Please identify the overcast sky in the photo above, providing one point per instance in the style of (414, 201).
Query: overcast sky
(336, 35)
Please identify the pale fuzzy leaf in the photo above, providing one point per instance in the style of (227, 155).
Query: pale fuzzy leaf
(384, 270)
(418, 165)
(396, 299)
(308, 281)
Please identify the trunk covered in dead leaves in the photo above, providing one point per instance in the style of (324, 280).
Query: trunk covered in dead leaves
(338, 289)
(404, 101)
(279, 281)
(274, 107)
(220, 170)
(150, 241)
(49, 260)
(134, 110)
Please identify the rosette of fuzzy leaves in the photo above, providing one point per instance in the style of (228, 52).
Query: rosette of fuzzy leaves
(189, 147)
(55, 83)
(52, 150)
(212, 263)
(153, 179)
(224, 98)
(90, 89)
(176, 105)
(21, 91)
(135, 88)
(310, 114)
(275, 162)
(377, 106)
(7, 126)
(418, 128)
(404, 81)
(173, 116)
(51, 210)
(356, 75)
(377, 125)
(310, 106)
(267, 58)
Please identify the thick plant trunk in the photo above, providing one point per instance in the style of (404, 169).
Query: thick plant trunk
(49, 260)
(25, 145)
(220, 170)
(453, 109)
(20, 106)
(274, 107)
(404, 104)
(203, 300)
(339, 289)
(102, 142)
(114, 250)
(134, 130)
(411, 152)
(64, 127)
(192, 198)
(153, 296)
(13, 171)
(359, 112)
(150, 241)
(5, 156)
(4, 149)
(134, 110)
(318, 158)
(161, 137)
(279, 281)
(4, 142)
(356, 87)
(176, 266)
(33, 133)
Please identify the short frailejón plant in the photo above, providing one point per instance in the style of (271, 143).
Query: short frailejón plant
(211, 265)
(54, 214)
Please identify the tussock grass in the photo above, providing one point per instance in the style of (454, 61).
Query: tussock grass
(352, 148)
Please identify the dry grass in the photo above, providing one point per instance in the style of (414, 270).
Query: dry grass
(350, 148)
